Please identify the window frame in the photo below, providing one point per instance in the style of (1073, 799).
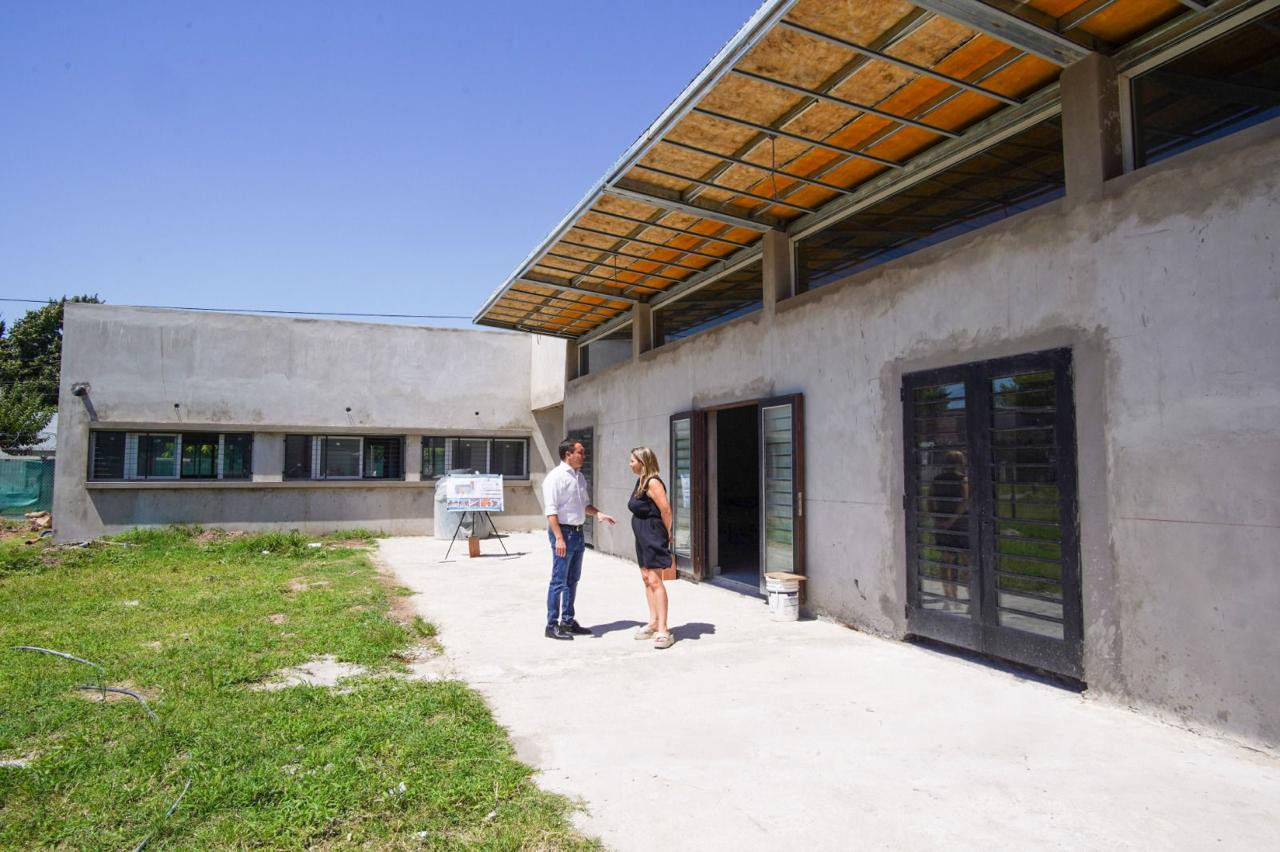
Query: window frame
(446, 448)
(134, 462)
(320, 451)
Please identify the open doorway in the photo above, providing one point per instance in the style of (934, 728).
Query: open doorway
(736, 484)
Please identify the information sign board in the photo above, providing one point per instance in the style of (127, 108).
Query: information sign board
(474, 493)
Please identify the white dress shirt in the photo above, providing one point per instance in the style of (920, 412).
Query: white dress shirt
(564, 494)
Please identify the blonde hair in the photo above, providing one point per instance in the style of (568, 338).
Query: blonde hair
(648, 467)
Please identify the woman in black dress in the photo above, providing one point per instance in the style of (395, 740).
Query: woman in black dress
(651, 524)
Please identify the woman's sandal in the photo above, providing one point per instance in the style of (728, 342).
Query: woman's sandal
(663, 640)
(643, 633)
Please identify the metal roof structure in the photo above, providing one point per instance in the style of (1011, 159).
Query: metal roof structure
(813, 111)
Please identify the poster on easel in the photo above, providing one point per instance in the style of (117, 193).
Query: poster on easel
(481, 492)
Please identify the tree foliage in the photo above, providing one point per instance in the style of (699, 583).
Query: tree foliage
(31, 353)
(23, 416)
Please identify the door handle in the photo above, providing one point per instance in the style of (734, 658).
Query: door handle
(799, 504)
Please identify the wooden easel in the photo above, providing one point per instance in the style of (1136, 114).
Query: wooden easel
(473, 515)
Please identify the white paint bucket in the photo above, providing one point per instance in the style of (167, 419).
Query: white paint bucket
(784, 598)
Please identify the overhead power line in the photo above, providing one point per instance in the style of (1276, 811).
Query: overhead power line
(264, 311)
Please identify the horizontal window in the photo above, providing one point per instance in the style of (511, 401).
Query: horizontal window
(612, 348)
(1014, 175)
(728, 297)
(170, 455)
(343, 457)
(1229, 84)
(506, 456)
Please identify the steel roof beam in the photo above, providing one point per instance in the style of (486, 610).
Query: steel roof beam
(854, 105)
(722, 188)
(795, 137)
(601, 250)
(747, 163)
(649, 224)
(901, 63)
(1082, 13)
(654, 196)
(526, 279)
(612, 282)
(1029, 37)
(580, 290)
(654, 243)
(605, 265)
(564, 304)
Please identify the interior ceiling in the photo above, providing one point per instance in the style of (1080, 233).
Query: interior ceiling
(811, 100)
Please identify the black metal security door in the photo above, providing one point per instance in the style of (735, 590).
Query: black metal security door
(586, 436)
(992, 534)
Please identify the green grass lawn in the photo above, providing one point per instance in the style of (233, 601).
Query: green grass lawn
(190, 621)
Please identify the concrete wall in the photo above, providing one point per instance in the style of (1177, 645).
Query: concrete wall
(1166, 288)
(183, 370)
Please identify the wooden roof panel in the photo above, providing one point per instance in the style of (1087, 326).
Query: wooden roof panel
(749, 172)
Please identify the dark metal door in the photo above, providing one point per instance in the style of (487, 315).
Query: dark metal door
(991, 516)
(586, 436)
(689, 491)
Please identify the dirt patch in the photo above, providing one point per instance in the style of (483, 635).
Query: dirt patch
(277, 618)
(355, 543)
(403, 611)
(18, 762)
(302, 584)
(155, 646)
(324, 671)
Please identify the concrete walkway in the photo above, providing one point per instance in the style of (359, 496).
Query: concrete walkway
(750, 734)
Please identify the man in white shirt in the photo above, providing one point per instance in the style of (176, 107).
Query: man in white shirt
(567, 504)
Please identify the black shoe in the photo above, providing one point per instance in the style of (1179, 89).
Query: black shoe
(556, 631)
(575, 628)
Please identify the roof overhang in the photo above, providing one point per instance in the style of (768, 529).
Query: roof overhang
(810, 112)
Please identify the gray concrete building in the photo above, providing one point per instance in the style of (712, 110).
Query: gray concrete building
(995, 374)
(966, 314)
(247, 422)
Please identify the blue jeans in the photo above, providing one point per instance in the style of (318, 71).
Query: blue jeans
(565, 572)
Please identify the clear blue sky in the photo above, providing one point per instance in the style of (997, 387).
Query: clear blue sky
(371, 157)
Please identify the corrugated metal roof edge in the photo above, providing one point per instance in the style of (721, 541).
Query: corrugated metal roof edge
(746, 37)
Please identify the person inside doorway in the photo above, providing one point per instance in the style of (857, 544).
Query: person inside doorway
(651, 525)
(567, 504)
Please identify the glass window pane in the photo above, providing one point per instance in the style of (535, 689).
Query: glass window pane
(1017, 174)
(341, 458)
(471, 454)
(237, 456)
(199, 456)
(158, 456)
(108, 455)
(433, 457)
(731, 296)
(681, 484)
(297, 457)
(382, 457)
(1227, 85)
(779, 489)
(509, 458)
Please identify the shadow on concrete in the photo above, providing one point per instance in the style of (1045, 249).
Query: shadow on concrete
(1019, 671)
(693, 630)
(599, 630)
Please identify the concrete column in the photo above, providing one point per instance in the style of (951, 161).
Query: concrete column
(570, 360)
(268, 456)
(641, 330)
(777, 268)
(412, 458)
(1091, 140)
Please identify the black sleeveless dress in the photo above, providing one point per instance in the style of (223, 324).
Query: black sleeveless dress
(652, 545)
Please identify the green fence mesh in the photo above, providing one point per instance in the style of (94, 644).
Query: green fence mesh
(26, 485)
